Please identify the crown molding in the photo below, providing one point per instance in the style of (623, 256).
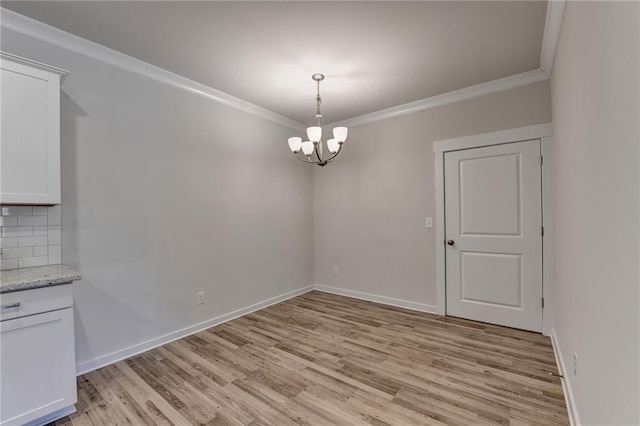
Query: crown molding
(552, 26)
(21, 24)
(470, 92)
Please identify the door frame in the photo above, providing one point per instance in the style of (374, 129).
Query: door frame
(544, 132)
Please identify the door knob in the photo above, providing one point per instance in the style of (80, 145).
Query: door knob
(450, 242)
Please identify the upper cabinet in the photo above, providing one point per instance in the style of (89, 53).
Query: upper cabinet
(30, 131)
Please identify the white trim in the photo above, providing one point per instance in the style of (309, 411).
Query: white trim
(441, 295)
(422, 307)
(538, 131)
(574, 420)
(552, 27)
(40, 31)
(519, 134)
(548, 242)
(125, 353)
(35, 64)
(470, 92)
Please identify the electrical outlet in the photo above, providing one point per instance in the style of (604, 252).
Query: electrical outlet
(201, 298)
(428, 222)
(575, 363)
(336, 271)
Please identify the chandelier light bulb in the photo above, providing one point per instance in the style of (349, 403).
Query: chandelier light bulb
(340, 133)
(314, 133)
(333, 145)
(295, 144)
(307, 148)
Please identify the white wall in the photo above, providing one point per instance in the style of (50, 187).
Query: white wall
(595, 101)
(371, 203)
(164, 194)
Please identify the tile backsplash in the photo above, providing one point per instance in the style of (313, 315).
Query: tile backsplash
(30, 236)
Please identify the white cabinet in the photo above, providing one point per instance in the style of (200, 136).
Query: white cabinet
(37, 356)
(30, 131)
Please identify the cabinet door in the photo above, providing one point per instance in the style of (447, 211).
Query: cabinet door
(30, 135)
(37, 366)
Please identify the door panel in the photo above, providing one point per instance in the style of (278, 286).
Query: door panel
(501, 216)
(491, 278)
(494, 219)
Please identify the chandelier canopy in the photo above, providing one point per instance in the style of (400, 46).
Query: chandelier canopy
(313, 149)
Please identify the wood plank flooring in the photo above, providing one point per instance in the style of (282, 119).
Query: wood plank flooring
(321, 359)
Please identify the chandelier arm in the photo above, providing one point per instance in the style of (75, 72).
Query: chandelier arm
(305, 160)
(330, 159)
(320, 160)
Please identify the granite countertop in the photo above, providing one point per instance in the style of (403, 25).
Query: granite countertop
(40, 276)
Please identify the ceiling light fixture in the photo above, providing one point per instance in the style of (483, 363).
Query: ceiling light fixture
(313, 149)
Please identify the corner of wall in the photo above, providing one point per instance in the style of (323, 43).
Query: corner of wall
(566, 382)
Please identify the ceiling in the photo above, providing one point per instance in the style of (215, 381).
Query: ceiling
(375, 55)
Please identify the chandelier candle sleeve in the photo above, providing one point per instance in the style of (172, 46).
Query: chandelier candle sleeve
(313, 150)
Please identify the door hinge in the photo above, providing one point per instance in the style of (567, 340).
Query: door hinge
(542, 231)
(541, 160)
(543, 302)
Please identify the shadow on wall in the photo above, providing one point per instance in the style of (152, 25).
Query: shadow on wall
(92, 346)
(69, 113)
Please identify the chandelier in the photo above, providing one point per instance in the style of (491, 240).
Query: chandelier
(313, 149)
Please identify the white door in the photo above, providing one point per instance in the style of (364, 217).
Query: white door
(493, 223)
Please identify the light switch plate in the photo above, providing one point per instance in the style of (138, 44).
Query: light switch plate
(428, 222)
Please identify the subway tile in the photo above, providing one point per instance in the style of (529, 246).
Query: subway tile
(55, 255)
(30, 236)
(14, 253)
(28, 262)
(8, 221)
(32, 241)
(55, 215)
(40, 230)
(55, 235)
(17, 231)
(10, 242)
(40, 211)
(32, 220)
(8, 264)
(17, 210)
(41, 251)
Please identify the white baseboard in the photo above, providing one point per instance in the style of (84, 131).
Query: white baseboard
(139, 348)
(422, 307)
(125, 353)
(574, 420)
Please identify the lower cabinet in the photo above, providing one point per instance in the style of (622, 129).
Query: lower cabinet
(37, 363)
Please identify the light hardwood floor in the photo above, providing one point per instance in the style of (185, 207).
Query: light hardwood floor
(322, 359)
